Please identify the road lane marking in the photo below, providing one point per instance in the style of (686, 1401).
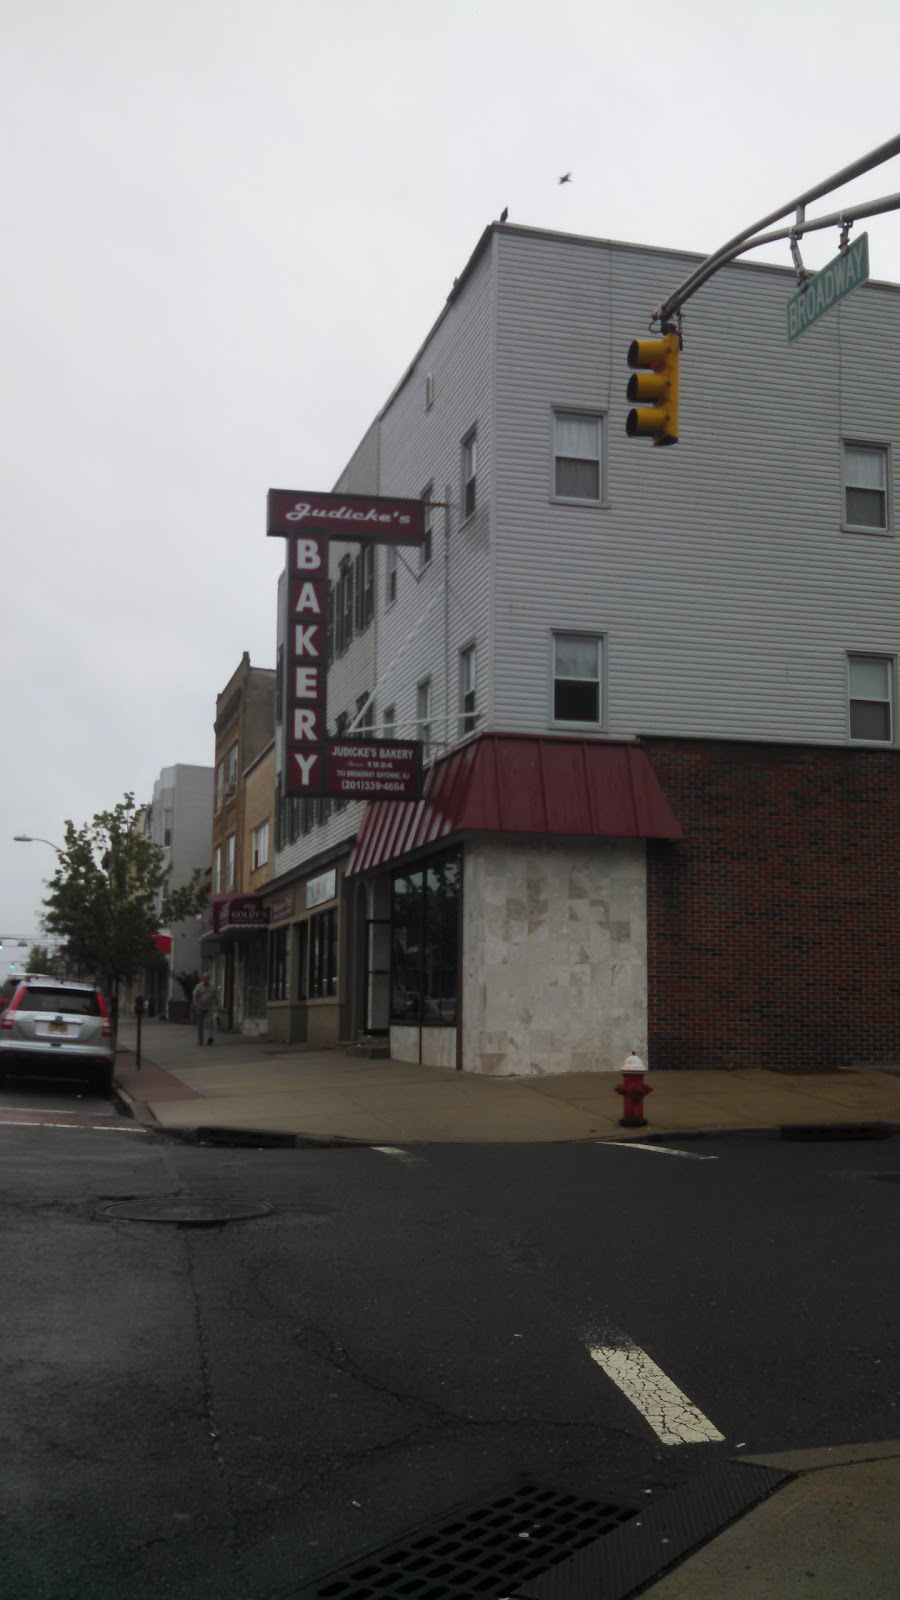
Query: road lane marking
(656, 1149)
(672, 1416)
(89, 1127)
(392, 1150)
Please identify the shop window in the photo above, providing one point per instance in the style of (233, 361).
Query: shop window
(278, 967)
(323, 955)
(425, 943)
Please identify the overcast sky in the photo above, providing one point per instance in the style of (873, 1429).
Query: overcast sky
(228, 225)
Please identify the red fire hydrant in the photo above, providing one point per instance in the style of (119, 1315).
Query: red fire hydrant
(634, 1090)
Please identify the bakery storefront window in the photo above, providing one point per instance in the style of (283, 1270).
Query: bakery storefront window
(425, 942)
(323, 955)
(278, 964)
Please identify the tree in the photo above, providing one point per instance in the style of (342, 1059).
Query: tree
(108, 897)
(41, 959)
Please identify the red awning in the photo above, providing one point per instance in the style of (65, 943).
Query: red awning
(500, 783)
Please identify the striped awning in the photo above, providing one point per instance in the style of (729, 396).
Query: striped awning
(502, 783)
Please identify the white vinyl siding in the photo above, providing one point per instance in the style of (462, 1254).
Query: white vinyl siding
(423, 717)
(871, 693)
(726, 588)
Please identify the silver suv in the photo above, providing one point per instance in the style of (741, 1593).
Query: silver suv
(54, 1029)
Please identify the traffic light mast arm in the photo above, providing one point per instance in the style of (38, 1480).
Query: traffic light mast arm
(752, 237)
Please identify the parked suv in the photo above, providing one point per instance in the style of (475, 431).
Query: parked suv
(51, 1028)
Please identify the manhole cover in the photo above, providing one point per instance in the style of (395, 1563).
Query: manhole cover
(189, 1213)
(480, 1552)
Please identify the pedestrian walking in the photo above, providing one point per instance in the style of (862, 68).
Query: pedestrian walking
(204, 1001)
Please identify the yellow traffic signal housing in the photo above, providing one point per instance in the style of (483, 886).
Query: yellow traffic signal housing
(655, 390)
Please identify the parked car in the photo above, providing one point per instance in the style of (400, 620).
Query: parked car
(9, 985)
(52, 1028)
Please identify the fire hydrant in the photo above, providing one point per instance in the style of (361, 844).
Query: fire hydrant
(634, 1090)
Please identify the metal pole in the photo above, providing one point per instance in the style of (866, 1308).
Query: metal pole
(728, 251)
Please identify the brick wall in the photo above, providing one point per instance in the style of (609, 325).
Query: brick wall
(773, 926)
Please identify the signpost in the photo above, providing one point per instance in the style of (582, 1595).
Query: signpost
(824, 290)
(314, 765)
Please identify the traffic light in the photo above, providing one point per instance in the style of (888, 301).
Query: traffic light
(656, 389)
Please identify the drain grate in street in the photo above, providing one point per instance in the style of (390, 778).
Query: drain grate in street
(186, 1212)
(479, 1553)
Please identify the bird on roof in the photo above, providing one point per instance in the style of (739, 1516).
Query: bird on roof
(504, 213)
(566, 177)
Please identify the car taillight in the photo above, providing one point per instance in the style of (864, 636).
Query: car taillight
(106, 1029)
(6, 1018)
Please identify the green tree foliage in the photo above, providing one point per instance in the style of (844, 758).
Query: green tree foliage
(108, 897)
(40, 959)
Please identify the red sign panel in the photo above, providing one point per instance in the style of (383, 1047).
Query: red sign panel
(354, 517)
(372, 770)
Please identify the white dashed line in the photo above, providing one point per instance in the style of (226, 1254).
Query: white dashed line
(671, 1415)
(656, 1149)
(87, 1127)
(392, 1150)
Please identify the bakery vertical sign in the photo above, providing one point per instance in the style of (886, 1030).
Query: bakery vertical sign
(314, 765)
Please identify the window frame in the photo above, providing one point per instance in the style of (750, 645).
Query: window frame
(467, 719)
(259, 840)
(230, 853)
(890, 662)
(469, 446)
(217, 870)
(600, 640)
(884, 450)
(424, 722)
(231, 772)
(426, 548)
(323, 954)
(590, 414)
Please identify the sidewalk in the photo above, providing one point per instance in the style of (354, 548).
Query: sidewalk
(244, 1083)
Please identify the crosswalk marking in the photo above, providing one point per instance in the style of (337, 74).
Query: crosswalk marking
(657, 1149)
(672, 1416)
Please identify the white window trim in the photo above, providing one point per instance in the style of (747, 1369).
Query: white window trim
(471, 647)
(230, 861)
(874, 655)
(217, 870)
(887, 531)
(596, 415)
(260, 834)
(601, 639)
(468, 438)
(428, 519)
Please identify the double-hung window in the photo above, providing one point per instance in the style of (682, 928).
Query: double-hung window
(467, 714)
(231, 774)
(260, 843)
(229, 862)
(578, 678)
(871, 687)
(469, 474)
(428, 528)
(577, 456)
(866, 487)
(217, 870)
(423, 716)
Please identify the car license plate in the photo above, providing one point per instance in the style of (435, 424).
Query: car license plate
(56, 1027)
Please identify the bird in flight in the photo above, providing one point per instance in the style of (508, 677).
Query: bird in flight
(566, 177)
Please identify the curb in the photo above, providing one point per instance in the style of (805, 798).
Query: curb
(797, 1132)
(260, 1138)
(137, 1110)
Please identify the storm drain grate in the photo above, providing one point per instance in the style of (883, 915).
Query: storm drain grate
(480, 1552)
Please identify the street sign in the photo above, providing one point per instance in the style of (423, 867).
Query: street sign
(828, 286)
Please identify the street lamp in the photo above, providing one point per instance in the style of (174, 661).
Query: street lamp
(29, 838)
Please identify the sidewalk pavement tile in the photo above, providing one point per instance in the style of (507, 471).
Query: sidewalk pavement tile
(829, 1534)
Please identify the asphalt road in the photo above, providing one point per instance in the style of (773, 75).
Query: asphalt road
(232, 1411)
